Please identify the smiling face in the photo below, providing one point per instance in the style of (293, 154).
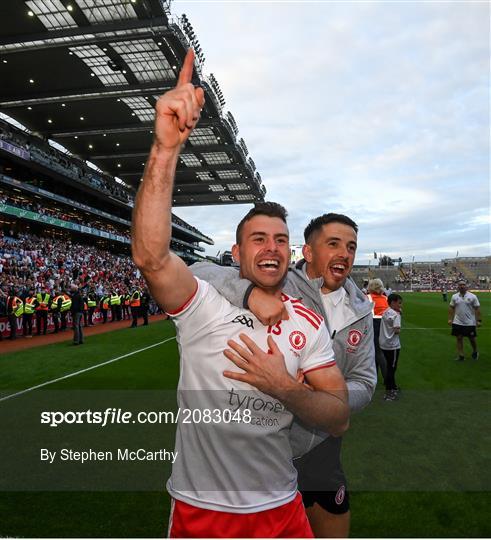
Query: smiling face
(330, 254)
(263, 252)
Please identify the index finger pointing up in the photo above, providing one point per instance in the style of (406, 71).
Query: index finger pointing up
(186, 73)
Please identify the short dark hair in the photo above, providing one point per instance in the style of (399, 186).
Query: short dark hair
(317, 223)
(270, 209)
(393, 297)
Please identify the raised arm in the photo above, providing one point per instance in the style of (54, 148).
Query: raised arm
(170, 281)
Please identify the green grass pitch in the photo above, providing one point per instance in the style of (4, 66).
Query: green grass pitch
(418, 467)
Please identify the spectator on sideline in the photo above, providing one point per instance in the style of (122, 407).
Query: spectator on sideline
(322, 281)
(377, 297)
(262, 495)
(390, 343)
(464, 314)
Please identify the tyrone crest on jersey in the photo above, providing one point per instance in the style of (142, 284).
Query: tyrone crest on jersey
(354, 338)
(297, 340)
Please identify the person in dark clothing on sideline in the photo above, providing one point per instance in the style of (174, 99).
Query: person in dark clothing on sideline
(77, 315)
(145, 302)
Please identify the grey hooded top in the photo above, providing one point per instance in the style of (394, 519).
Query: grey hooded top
(353, 342)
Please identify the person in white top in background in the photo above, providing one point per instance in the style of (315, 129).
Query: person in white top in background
(390, 343)
(464, 315)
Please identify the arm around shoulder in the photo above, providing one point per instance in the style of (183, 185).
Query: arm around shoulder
(226, 280)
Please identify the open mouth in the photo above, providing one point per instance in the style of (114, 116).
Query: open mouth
(338, 270)
(269, 265)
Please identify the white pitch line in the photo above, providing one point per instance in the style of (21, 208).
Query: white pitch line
(86, 369)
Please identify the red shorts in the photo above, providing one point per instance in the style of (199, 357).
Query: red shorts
(286, 521)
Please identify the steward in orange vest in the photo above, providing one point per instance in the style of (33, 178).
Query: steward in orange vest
(135, 302)
(44, 300)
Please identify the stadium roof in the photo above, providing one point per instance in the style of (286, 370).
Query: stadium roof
(87, 74)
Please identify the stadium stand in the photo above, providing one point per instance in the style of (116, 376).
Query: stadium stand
(72, 149)
(430, 276)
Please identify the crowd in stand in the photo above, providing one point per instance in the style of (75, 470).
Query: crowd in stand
(31, 261)
(441, 279)
(30, 265)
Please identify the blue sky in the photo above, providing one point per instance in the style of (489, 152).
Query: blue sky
(379, 110)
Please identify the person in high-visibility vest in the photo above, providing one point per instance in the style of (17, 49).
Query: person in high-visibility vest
(66, 305)
(15, 310)
(115, 306)
(30, 304)
(104, 305)
(91, 304)
(61, 304)
(44, 299)
(135, 302)
(377, 297)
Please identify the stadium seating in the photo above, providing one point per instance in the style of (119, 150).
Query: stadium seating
(430, 276)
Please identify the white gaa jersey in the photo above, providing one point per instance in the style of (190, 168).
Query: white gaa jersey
(237, 466)
(465, 308)
(388, 339)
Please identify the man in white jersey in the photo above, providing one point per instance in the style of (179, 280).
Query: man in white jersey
(464, 315)
(322, 281)
(390, 343)
(234, 475)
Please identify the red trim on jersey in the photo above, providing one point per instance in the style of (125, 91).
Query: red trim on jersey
(328, 365)
(185, 305)
(313, 313)
(286, 521)
(314, 322)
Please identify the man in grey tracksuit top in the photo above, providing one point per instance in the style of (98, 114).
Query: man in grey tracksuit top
(330, 250)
